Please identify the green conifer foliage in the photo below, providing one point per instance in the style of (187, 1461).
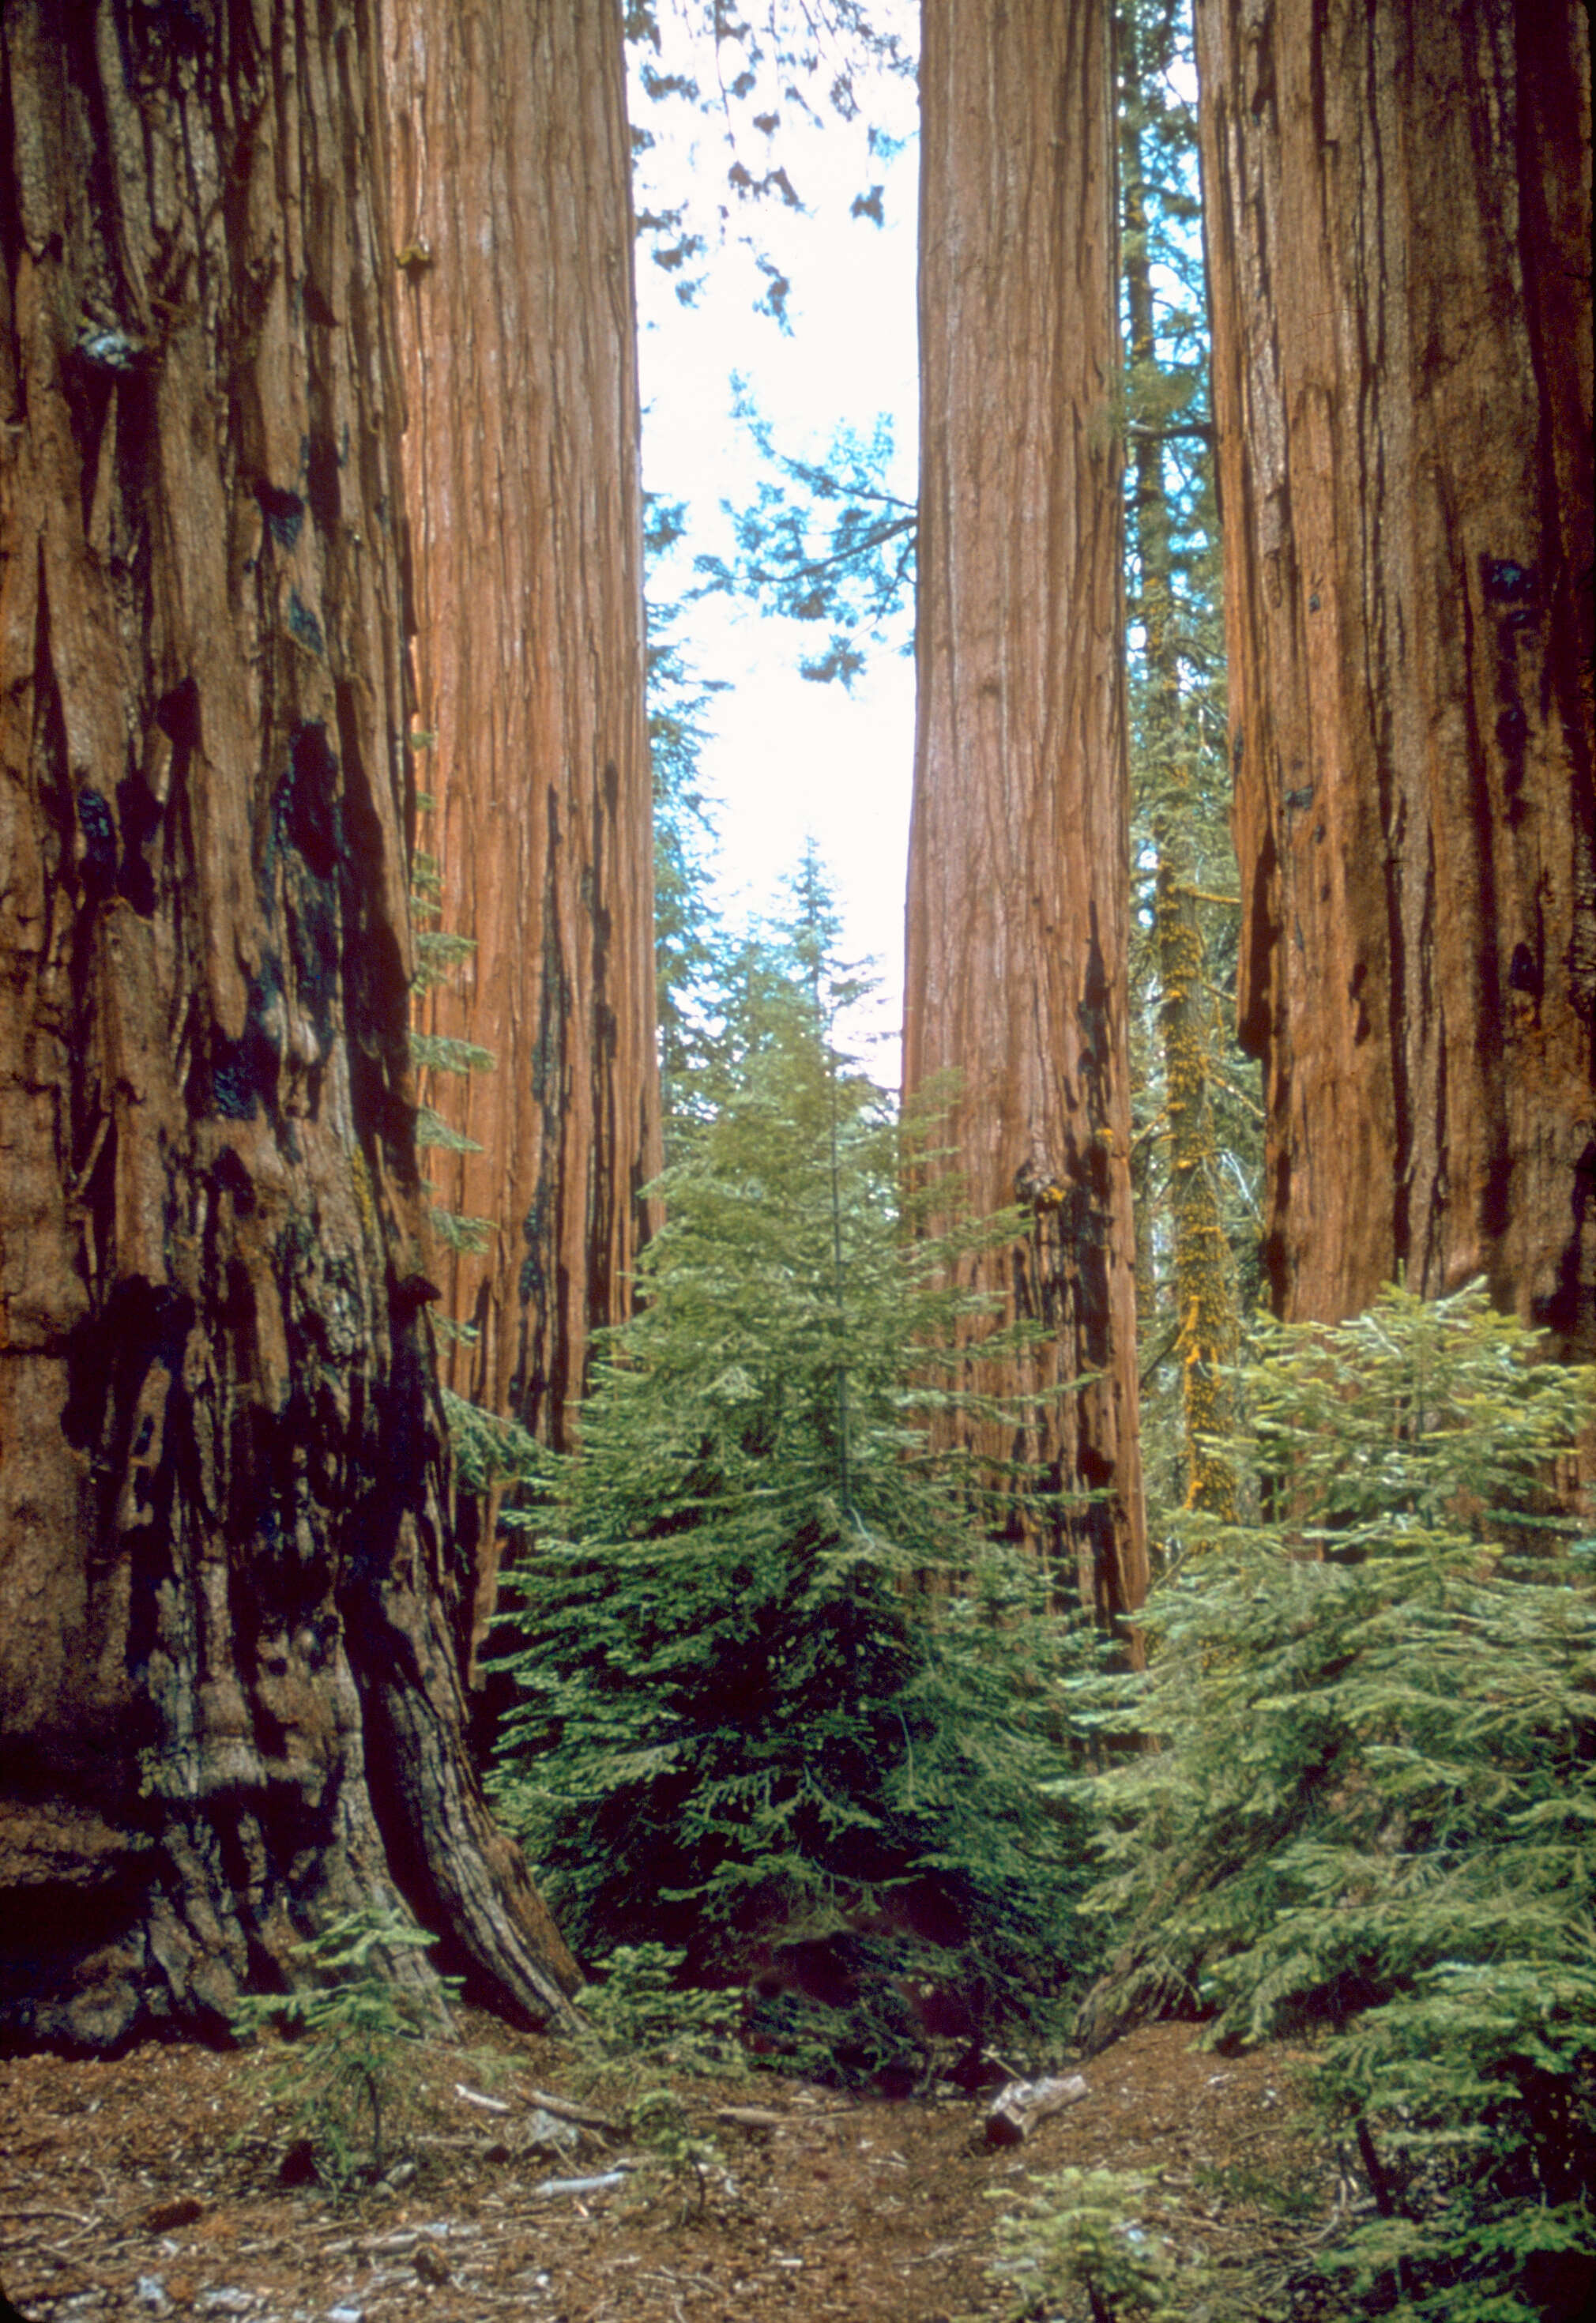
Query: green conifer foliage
(826, 540)
(487, 1450)
(766, 1664)
(1375, 1807)
(690, 942)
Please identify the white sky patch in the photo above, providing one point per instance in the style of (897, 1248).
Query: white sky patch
(791, 759)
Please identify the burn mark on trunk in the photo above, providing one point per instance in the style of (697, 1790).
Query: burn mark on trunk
(139, 812)
(304, 626)
(1513, 591)
(126, 1407)
(244, 1073)
(1524, 973)
(97, 846)
(283, 510)
(306, 810)
(321, 463)
(1255, 1017)
(554, 995)
(376, 988)
(1568, 1309)
(1092, 1018)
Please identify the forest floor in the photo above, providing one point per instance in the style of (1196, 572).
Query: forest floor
(159, 2183)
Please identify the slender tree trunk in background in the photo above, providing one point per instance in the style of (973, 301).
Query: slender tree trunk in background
(1199, 1258)
(1018, 871)
(512, 176)
(230, 1663)
(1398, 205)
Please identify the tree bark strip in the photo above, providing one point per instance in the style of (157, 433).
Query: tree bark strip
(230, 1670)
(1398, 205)
(1018, 872)
(518, 336)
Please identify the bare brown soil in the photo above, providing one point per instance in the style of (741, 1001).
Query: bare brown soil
(153, 2185)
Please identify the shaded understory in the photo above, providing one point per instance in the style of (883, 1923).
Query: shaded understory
(152, 2185)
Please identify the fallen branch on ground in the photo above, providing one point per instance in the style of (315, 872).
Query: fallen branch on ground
(1016, 2109)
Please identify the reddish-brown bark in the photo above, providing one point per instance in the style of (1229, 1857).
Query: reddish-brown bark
(229, 1664)
(512, 200)
(1018, 871)
(1398, 228)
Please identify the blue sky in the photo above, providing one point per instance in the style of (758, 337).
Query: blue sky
(790, 757)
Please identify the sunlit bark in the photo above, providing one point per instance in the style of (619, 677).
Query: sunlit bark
(1018, 871)
(512, 172)
(517, 334)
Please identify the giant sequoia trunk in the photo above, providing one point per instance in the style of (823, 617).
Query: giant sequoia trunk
(233, 1614)
(1398, 225)
(512, 191)
(1017, 864)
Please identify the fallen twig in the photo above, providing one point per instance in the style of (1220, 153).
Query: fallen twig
(758, 2117)
(563, 2110)
(475, 2097)
(549, 2187)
